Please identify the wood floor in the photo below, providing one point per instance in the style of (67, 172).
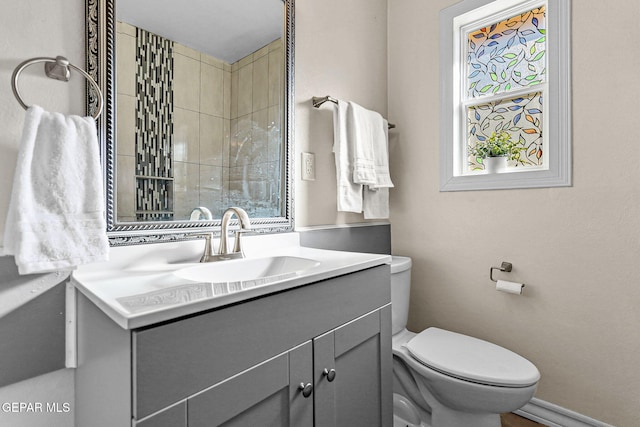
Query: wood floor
(512, 420)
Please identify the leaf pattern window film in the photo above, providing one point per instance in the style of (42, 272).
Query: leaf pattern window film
(521, 117)
(507, 55)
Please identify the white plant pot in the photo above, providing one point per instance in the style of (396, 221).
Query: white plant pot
(495, 164)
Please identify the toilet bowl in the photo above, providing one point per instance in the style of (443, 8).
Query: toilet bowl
(446, 379)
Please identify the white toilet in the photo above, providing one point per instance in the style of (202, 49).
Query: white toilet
(446, 379)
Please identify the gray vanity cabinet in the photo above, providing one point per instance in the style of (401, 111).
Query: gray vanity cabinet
(259, 362)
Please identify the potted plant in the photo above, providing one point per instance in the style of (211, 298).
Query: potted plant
(496, 151)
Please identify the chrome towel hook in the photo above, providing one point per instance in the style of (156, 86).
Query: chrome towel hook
(57, 68)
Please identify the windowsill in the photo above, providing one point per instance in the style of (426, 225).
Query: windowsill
(510, 170)
(539, 178)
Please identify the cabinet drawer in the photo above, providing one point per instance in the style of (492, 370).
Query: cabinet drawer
(179, 359)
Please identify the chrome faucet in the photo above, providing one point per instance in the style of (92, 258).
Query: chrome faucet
(245, 225)
(223, 250)
(200, 212)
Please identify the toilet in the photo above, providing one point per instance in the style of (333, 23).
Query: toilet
(446, 379)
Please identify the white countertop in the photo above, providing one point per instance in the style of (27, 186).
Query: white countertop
(137, 287)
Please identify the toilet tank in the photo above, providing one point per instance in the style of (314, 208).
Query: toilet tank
(400, 289)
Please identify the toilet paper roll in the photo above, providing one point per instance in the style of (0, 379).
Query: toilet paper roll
(510, 287)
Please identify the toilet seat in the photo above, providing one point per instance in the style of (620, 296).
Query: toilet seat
(471, 359)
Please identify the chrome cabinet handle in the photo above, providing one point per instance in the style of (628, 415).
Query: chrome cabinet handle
(330, 374)
(305, 389)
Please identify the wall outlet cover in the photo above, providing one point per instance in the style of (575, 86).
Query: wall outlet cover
(308, 167)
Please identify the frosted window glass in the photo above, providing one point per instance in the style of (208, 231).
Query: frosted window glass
(521, 117)
(507, 55)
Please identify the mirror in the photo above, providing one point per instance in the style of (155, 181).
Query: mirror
(198, 113)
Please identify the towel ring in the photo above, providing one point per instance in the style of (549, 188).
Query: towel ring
(55, 68)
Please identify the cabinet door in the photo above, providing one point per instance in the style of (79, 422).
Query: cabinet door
(266, 395)
(352, 373)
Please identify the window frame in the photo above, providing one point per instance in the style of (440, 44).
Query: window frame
(556, 93)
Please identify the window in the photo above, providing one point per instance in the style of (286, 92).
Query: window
(505, 72)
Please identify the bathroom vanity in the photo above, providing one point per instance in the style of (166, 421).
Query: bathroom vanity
(309, 349)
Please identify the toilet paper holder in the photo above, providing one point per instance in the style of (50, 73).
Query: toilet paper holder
(505, 266)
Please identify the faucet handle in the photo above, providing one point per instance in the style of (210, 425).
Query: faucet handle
(208, 247)
(237, 247)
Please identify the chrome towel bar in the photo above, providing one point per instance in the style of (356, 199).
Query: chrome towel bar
(56, 68)
(317, 101)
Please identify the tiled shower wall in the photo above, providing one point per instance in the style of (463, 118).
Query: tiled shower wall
(254, 167)
(226, 130)
(126, 124)
(202, 100)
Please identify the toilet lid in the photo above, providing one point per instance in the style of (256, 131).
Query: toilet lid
(471, 359)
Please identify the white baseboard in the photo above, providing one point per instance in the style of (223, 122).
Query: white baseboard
(556, 416)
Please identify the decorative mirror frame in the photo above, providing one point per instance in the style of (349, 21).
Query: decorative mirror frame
(100, 37)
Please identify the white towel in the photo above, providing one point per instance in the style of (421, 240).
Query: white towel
(362, 160)
(56, 213)
(376, 197)
(376, 203)
(349, 193)
(368, 137)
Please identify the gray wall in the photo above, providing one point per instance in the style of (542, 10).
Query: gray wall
(32, 331)
(32, 348)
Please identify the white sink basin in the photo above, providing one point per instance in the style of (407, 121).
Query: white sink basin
(263, 270)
